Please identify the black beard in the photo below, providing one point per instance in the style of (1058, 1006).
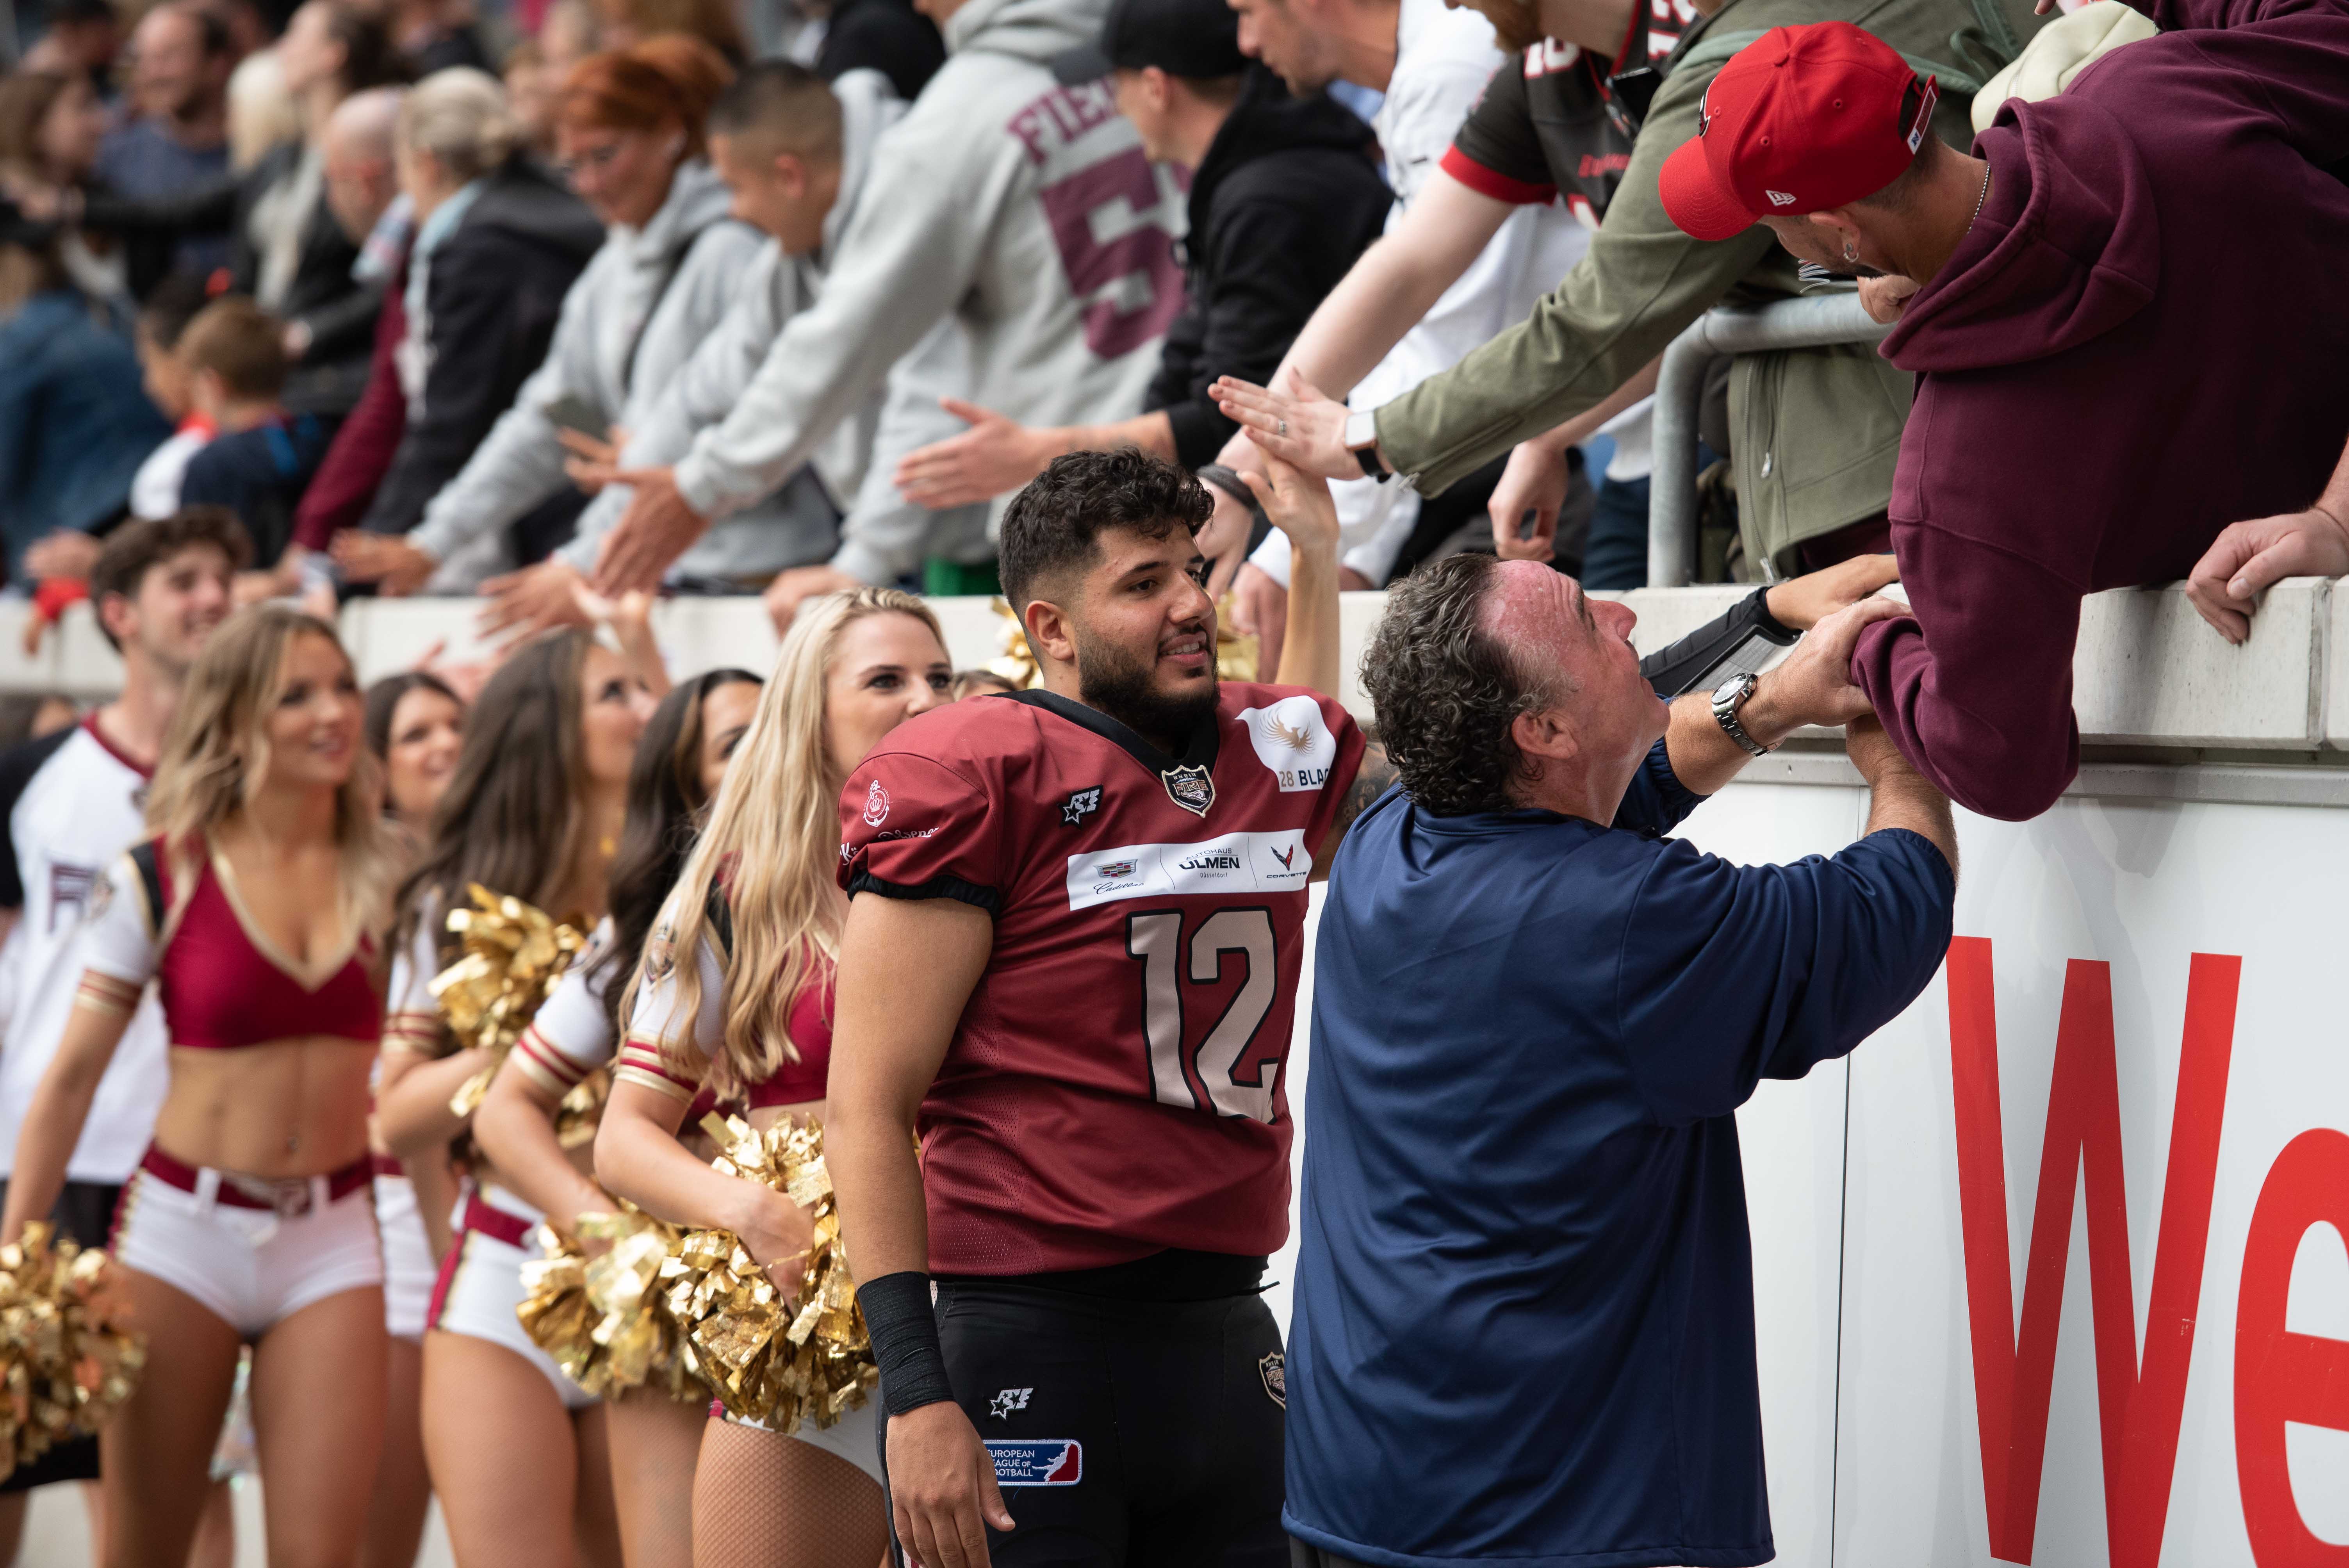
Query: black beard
(1123, 689)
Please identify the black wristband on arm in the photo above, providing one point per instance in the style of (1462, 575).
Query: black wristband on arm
(905, 1334)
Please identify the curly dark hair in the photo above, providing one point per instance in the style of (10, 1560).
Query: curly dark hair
(1446, 692)
(1054, 523)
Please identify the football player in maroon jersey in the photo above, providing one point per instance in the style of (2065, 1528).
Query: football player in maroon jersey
(1074, 943)
(1070, 962)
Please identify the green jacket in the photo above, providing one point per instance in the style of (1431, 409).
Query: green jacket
(1815, 431)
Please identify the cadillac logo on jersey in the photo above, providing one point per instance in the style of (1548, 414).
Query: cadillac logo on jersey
(1191, 788)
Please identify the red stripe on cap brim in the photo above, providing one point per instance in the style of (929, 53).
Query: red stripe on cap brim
(1702, 207)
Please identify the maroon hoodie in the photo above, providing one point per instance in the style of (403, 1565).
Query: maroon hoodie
(2144, 337)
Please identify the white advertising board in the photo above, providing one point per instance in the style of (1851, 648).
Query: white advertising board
(2094, 1294)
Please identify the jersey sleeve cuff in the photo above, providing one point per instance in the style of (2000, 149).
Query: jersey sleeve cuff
(549, 1068)
(955, 888)
(1492, 182)
(642, 1063)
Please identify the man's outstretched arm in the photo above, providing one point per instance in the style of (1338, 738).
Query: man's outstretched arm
(1976, 690)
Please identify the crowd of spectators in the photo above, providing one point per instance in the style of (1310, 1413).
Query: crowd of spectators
(731, 296)
(533, 301)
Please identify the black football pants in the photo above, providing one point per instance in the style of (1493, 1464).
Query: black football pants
(1125, 1434)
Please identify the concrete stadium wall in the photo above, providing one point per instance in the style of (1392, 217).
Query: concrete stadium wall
(2145, 988)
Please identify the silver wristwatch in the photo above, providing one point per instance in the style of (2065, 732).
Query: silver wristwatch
(1727, 698)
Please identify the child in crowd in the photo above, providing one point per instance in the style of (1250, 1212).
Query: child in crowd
(263, 456)
(163, 321)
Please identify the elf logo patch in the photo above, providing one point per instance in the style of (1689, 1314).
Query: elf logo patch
(1080, 804)
(1037, 1461)
(1779, 198)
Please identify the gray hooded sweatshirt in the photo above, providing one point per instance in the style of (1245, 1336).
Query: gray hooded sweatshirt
(1024, 209)
(799, 523)
(648, 297)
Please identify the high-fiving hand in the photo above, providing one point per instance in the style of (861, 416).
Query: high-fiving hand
(1292, 421)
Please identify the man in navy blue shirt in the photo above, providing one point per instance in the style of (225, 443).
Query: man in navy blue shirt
(1524, 1327)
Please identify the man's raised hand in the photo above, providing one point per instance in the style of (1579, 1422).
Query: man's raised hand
(1292, 421)
(1297, 504)
(2250, 557)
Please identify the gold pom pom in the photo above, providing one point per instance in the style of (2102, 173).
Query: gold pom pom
(68, 1357)
(776, 1360)
(514, 955)
(600, 1318)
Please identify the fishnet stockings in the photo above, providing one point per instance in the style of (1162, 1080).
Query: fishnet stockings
(761, 1501)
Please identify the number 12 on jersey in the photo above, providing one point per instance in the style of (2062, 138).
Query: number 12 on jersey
(1156, 939)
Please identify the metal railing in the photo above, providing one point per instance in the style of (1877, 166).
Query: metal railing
(1813, 321)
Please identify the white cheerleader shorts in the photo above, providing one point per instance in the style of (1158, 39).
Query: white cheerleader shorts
(480, 1283)
(855, 1437)
(408, 1271)
(253, 1251)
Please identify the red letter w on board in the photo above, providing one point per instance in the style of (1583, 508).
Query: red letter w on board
(2139, 1410)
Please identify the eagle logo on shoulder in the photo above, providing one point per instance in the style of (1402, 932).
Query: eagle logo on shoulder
(1292, 738)
(1296, 739)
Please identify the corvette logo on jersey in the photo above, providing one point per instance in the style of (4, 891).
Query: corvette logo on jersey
(876, 805)
(1274, 1371)
(1293, 739)
(1189, 786)
(1007, 1401)
(1037, 1461)
(1080, 804)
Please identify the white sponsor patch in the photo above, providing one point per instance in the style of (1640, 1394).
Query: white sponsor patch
(1292, 739)
(1233, 863)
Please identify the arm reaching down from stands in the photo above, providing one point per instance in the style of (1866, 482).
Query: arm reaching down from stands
(1980, 704)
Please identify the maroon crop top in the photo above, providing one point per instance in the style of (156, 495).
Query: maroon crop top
(222, 982)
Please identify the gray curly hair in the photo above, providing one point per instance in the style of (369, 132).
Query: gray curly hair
(1446, 691)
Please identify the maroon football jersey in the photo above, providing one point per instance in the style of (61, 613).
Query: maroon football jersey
(1114, 1086)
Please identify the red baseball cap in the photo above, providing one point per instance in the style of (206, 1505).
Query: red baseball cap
(1802, 119)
